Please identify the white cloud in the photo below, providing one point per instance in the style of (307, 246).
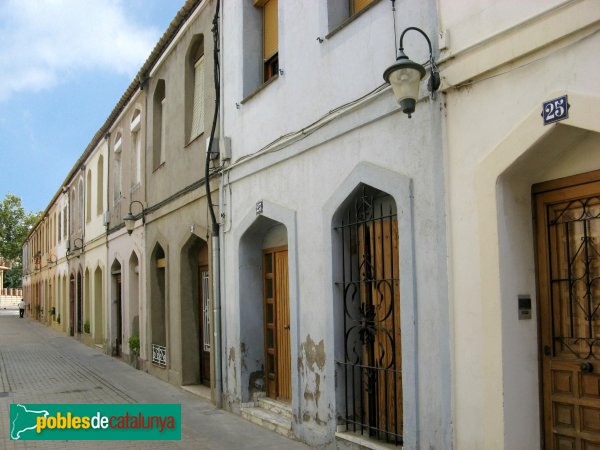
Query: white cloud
(44, 41)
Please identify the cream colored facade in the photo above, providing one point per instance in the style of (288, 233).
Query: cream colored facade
(501, 61)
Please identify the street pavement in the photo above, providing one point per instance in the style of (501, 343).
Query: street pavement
(39, 365)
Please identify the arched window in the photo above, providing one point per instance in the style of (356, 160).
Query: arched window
(136, 148)
(159, 125)
(100, 186)
(117, 147)
(88, 196)
(81, 205)
(194, 88)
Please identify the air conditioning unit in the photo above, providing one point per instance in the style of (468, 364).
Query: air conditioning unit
(106, 217)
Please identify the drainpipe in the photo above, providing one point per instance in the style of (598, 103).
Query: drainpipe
(215, 229)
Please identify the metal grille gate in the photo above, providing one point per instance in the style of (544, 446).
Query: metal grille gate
(371, 366)
(575, 277)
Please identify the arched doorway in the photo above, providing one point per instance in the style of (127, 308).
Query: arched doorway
(367, 315)
(72, 288)
(195, 312)
(134, 295)
(98, 309)
(158, 305)
(79, 299)
(117, 308)
(265, 309)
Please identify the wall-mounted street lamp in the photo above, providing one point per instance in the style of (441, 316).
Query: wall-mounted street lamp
(37, 260)
(77, 246)
(404, 76)
(130, 219)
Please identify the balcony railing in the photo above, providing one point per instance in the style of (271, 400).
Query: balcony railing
(159, 356)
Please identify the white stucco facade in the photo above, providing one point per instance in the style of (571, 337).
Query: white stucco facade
(303, 180)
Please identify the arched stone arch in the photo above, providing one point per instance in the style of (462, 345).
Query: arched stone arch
(530, 153)
(252, 235)
(195, 312)
(134, 294)
(87, 300)
(98, 306)
(158, 306)
(100, 185)
(116, 302)
(195, 75)
(399, 188)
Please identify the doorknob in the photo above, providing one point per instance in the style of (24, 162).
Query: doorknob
(547, 350)
(587, 367)
(287, 327)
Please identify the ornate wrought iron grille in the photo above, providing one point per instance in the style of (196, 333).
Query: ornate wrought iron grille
(205, 310)
(371, 366)
(159, 356)
(573, 232)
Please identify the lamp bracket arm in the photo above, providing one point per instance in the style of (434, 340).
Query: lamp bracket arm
(424, 35)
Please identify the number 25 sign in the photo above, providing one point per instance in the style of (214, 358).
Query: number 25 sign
(555, 110)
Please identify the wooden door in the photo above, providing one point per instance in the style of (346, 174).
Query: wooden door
(567, 222)
(72, 307)
(278, 361)
(119, 301)
(204, 328)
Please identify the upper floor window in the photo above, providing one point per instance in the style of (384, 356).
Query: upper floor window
(260, 44)
(81, 205)
(194, 87)
(100, 186)
(65, 223)
(136, 148)
(270, 38)
(117, 149)
(88, 196)
(159, 121)
(59, 226)
(73, 211)
(339, 11)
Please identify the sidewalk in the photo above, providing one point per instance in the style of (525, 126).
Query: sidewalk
(39, 365)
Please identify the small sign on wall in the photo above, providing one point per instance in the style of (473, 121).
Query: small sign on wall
(555, 110)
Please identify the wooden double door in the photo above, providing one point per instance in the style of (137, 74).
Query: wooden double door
(276, 307)
(567, 222)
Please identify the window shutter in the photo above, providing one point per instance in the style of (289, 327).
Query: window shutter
(163, 131)
(271, 42)
(198, 109)
(359, 5)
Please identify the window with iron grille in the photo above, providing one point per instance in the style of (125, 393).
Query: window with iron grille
(368, 353)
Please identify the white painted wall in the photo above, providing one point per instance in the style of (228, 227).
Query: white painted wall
(373, 143)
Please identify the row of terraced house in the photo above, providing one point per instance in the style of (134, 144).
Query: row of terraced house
(259, 216)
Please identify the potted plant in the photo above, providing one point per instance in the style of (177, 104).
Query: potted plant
(86, 327)
(134, 350)
(58, 319)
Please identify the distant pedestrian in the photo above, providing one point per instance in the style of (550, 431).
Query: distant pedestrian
(21, 308)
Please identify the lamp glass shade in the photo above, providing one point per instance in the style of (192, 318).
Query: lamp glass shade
(405, 83)
(129, 222)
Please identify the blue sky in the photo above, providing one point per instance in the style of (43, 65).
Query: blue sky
(64, 64)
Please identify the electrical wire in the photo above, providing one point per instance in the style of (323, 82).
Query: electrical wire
(217, 82)
(309, 129)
